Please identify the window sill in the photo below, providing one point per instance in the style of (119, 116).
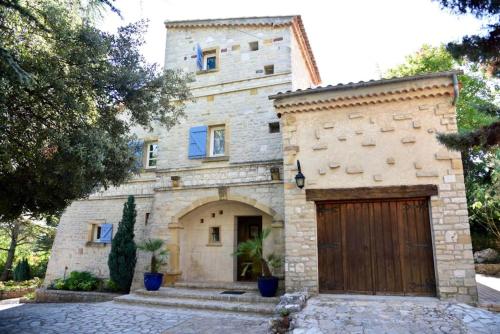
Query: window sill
(214, 244)
(95, 244)
(207, 71)
(221, 158)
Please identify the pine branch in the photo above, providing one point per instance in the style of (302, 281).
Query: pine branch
(485, 137)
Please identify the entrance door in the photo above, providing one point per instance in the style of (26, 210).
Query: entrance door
(375, 247)
(249, 227)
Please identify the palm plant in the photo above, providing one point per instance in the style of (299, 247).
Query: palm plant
(254, 249)
(158, 253)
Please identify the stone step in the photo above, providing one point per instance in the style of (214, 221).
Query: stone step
(209, 294)
(189, 303)
(245, 286)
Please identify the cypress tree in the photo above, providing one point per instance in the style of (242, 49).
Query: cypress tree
(122, 257)
(22, 272)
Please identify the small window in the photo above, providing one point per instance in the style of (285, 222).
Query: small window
(211, 63)
(146, 219)
(214, 235)
(152, 155)
(217, 141)
(210, 60)
(100, 232)
(274, 127)
(254, 46)
(269, 69)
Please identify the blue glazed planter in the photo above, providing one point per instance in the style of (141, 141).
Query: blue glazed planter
(267, 286)
(152, 281)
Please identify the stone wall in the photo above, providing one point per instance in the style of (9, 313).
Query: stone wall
(71, 248)
(377, 135)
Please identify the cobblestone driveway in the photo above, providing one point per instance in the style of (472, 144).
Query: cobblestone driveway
(331, 314)
(112, 318)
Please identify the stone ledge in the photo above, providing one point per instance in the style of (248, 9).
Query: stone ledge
(44, 295)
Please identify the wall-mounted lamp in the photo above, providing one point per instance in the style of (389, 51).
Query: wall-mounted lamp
(299, 178)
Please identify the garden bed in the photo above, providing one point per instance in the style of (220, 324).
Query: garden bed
(44, 295)
(13, 289)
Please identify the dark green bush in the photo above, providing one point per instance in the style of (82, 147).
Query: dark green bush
(77, 281)
(39, 268)
(122, 257)
(82, 281)
(22, 271)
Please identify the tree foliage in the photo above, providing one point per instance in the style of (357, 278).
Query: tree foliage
(122, 257)
(65, 121)
(18, 232)
(485, 48)
(477, 120)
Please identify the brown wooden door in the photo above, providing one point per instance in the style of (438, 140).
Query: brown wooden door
(249, 227)
(375, 247)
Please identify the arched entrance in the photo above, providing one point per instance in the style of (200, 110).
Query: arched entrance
(207, 236)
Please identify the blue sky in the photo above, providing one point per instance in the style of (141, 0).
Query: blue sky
(351, 40)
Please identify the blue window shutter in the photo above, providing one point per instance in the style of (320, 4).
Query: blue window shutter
(198, 142)
(199, 57)
(137, 147)
(106, 233)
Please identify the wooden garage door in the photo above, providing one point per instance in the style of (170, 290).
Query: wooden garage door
(375, 247)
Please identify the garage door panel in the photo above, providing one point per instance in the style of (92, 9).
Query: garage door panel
(387, 274)
(331, 276)
(379, 247)
(420, 273)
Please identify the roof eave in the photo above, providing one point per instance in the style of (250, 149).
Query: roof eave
(362, 84)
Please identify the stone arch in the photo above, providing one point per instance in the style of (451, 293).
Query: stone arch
(235, 198)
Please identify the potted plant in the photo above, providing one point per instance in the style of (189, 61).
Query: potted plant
(285, 318)
(153, 279)
(267, 283)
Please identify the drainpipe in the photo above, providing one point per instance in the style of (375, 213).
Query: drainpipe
(455, 89)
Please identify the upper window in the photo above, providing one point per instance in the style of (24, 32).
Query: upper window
(152, 155)
(217, 141)
(210, 62)
(254, 46)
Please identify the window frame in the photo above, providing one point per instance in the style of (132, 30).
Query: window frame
(253, 46)
(211, 140)
(269, 69)
(208, 53)
(148, 151)
(211, 242)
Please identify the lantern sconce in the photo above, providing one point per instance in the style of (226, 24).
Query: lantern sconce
(299, 178)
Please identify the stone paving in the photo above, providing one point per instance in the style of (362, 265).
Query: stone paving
(374, 314)
(112, 318)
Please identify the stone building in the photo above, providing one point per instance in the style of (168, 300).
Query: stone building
(383, 209)
(227, 170)
(207, 182)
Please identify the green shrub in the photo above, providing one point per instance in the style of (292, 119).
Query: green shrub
(39, 268)
(22, 271)
(110, 285)
(81, 281)
(59, 284)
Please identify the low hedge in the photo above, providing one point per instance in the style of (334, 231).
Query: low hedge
(83, 281)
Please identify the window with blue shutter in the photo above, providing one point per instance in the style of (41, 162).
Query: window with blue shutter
(106, 233)
(198, 142)
(137, 147)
